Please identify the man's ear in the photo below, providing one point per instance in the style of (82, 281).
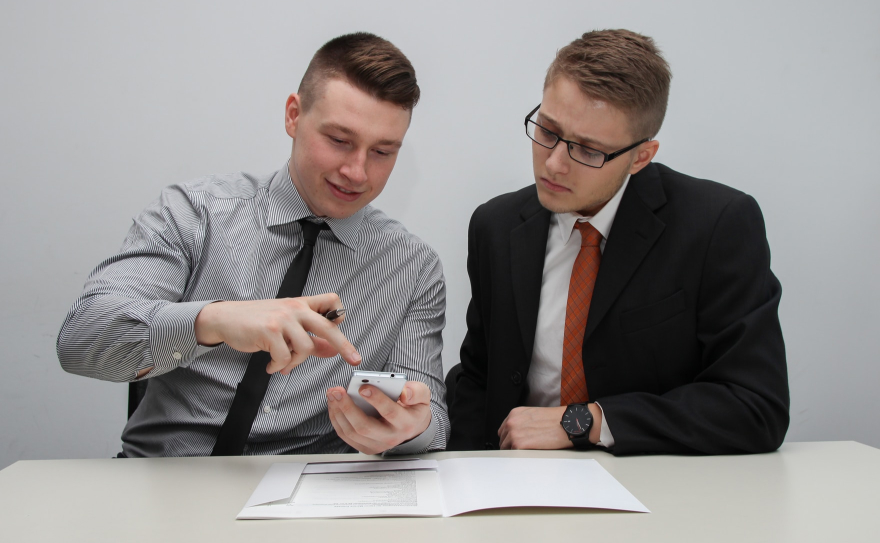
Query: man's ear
(292, 112)
(644, 155)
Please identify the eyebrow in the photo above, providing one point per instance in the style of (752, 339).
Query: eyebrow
(349, 132)
(579, 139)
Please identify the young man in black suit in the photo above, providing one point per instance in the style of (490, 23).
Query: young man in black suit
(617, 302)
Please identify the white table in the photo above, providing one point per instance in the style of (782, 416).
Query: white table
(826, 492)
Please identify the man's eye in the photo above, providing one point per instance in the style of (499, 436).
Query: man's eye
(337, 140)
(380, 152)
(586, 153)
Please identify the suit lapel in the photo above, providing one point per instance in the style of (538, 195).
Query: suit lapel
(528, 245)
(635, 230)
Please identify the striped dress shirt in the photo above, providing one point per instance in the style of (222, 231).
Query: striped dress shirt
(232, 237)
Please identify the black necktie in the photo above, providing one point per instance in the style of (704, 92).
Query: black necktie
(252, 388)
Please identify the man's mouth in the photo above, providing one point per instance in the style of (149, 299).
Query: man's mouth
(345, 194)
(550, 185)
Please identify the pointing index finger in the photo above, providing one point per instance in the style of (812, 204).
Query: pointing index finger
(328, 331)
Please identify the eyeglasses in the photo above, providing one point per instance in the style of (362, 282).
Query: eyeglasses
(579, 153)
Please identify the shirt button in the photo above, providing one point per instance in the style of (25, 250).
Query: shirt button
(177, 356)
(516, 377)
(267, 409)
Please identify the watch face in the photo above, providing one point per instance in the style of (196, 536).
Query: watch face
(577, 420)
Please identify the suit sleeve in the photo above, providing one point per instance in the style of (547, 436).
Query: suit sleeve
(468, 410)
(739, 401)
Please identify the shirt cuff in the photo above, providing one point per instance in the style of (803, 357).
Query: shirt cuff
(173, 337)
(605, 438)
(417, 444)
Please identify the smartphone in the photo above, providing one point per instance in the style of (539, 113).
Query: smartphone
(391, 384)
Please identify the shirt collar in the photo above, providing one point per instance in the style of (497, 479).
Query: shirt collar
(287, 206)
(601, 221)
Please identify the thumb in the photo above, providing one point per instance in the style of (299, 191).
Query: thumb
(415, 392)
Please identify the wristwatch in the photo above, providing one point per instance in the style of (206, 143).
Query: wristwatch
(577, 421)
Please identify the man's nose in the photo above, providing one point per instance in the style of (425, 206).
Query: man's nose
(559, 161)
(355, 169)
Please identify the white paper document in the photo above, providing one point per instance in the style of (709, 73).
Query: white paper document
(433, 488)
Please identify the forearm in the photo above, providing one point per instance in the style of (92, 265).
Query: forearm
(468, 415)
(418, 353)
(698, 418)
(468, 411)
(114, 338)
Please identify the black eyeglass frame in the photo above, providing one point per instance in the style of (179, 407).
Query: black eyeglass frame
(608, 156)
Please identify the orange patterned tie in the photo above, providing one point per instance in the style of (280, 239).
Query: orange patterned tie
(573, 384)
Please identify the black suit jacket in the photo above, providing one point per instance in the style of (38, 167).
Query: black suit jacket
(683, 348)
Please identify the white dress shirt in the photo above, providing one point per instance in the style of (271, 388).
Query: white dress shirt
(563, 245)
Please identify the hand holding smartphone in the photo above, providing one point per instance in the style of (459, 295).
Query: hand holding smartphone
(391, 384)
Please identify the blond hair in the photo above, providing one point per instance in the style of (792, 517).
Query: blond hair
(622, 68)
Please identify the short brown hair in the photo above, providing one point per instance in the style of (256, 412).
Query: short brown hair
(622, 68)
(370, 63)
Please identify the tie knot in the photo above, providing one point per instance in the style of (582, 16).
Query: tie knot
(590, 237)
(311, 230)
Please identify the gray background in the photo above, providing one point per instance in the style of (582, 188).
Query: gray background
(104, 103)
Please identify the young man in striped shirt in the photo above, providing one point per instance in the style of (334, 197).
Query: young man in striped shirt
(192, 292)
